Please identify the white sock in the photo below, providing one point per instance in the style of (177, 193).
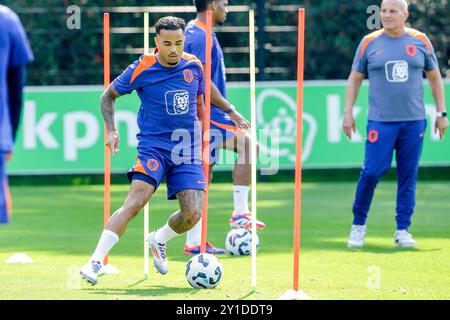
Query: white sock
(164, 234)
(240, 196)
(194, 236)
(105, 244)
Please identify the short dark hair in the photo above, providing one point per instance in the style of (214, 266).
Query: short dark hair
(202, 5)
(169, 23)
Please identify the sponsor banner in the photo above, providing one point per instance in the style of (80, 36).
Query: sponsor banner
(62, 129)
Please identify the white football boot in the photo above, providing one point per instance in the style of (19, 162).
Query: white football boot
(357, 235)
(403, 239)
(159, 254)
(91, 270)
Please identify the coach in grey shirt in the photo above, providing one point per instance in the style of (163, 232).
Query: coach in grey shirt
(394, 58)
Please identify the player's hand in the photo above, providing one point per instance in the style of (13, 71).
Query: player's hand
(348, 125)
(239, 121)
(113, 141)
(441, 125)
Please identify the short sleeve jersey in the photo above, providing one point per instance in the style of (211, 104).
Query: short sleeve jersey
(14, 51)
(195, 44)
(395, 69)
(168, 97)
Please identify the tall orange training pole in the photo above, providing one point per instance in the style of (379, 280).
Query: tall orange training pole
(107, 163)
(206, 126)
(298, 146)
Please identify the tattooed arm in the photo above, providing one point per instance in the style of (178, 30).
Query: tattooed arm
(107, 103)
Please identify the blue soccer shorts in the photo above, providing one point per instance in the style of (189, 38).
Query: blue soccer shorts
(156, 164)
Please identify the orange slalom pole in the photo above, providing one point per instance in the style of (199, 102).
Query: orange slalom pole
(107, 156)
(206, 126)
(298, 146)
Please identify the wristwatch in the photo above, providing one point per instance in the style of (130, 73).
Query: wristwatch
(230, 109)
(441, 114)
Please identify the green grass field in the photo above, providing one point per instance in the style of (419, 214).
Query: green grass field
(58, 227)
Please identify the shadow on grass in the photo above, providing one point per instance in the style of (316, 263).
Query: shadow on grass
(340, 245)
(152, 291)
(247, 295)
(138, 282)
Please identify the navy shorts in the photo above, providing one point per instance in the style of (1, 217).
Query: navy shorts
(157, 164)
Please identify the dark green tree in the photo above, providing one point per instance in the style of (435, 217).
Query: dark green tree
(334, 29)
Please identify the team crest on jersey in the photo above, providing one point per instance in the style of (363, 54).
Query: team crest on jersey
(411, 50)
(177, 102)
(397, 71)
(188, 76)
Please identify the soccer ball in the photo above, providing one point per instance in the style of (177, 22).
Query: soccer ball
(239, 242)
(204, 271)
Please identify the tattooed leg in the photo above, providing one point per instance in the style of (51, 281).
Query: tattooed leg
(191, 207)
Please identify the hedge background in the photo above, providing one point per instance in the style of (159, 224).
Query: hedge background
(334, 29)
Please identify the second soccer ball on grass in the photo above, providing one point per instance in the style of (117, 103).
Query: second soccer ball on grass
(239, 242)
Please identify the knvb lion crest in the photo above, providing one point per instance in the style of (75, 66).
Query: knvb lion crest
(397, 71)
(177, 102)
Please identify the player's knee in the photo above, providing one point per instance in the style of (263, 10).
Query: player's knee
(140, 203)
(244, 146)
(135, 204)
(371, 175)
